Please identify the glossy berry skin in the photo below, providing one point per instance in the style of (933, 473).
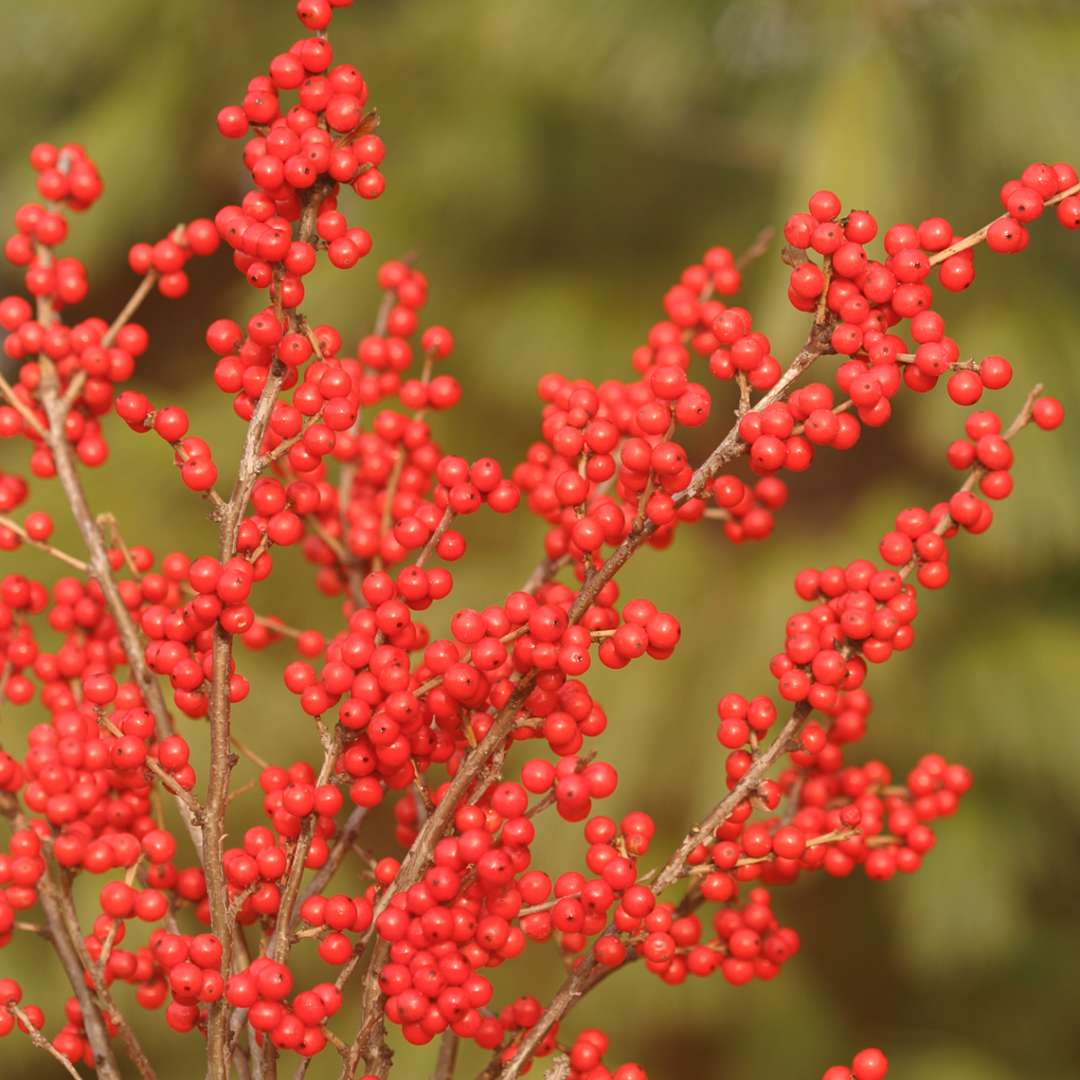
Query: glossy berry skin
(1048, 413)
(869, 1064)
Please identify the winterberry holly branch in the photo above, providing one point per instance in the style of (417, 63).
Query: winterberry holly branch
(786, 842)
(339, 459)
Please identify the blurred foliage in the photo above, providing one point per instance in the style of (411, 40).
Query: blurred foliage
(555, 165)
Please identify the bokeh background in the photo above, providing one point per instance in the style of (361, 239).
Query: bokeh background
(555, 165)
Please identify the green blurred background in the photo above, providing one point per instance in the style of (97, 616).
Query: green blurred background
(555, 165)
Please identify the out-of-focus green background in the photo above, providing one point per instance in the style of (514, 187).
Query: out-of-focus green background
(555, 165)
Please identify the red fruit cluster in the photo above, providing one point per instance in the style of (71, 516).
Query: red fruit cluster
(585, 1058)
(67, 1040)
(868, 1064)
(340, 460)
(166, 259)
(296, 1024)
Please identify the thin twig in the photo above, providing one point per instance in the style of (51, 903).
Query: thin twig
(22, 409)
(42, 545)
(759, 246)
(979, 235)
(39, 1040)
(278, 947)
(96, 1033)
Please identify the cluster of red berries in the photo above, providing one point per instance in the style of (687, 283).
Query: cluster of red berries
(38, 230)
(460, 918)
(320, 136)
(66, 175)
(868, 1064)
(344, 465)
(295, 1025)
(987, 451)
(13, 491)
(166, 259)
(178, 609)
(586, 1059)
(21, 867)
(67, 1039)
(90, 358)
(86, 357)
(430, 487)
(613, 436)
(192, 455)
(862, 615)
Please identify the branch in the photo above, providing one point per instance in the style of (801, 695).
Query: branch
(578, 981)
(447, 1059)
(341, 848)
(42, 545)
(433, 541)
(101, 569)
(559, 1069)
(194, 808)
(22, 409)
(93, 1024)
(39, 1040)
(68, 915)
(348, 468)
(278, 947)
(142, 291)
(419, 855)
(114, 929)
(979, 235)
(758, 247)
(589, 971)
(222, 757)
